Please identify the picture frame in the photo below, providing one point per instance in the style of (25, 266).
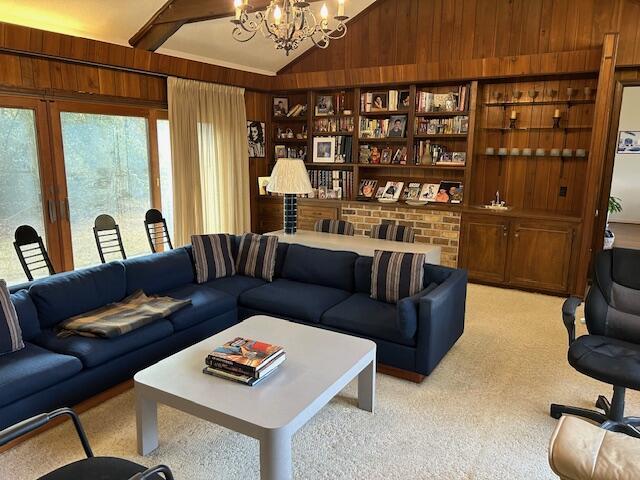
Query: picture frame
(280, 106)
(629, 142)
(256, 139)
(367, 189)
(263, 182)
(397, 126)
(324, 105)
(387, 153)
(380, 102)
(324, 149)
(280, 151)
(404, 99)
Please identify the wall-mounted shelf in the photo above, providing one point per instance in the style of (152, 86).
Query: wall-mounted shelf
(383, 139)
(541, 103)
(442, 114)
(440, 135)
(384, 113)
(333, 134)
(526, 129)
(289, 119)
(289, 140)
(422, 167)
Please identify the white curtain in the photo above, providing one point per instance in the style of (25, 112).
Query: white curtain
(210, 159)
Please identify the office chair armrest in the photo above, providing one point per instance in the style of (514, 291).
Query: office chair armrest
(150, 472)
(26, 426)
(569, 308)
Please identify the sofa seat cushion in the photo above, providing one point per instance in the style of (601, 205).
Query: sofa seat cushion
(235, 285)
(206, 303)
(96, 351)
(31, 370)
(362, 315)
(295, 300)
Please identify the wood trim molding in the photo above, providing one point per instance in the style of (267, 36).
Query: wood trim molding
(597, 157)
(559, 63)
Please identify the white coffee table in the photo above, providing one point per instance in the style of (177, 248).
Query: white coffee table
(319, 365)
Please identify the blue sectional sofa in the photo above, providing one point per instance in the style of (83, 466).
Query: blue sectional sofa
(323, 288)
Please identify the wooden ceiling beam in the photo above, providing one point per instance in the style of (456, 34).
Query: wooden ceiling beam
(176, 13)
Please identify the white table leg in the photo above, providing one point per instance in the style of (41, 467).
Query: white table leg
(275, 456)
(146, 423)
(367, 387)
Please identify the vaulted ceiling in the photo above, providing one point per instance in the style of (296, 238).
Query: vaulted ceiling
(116, 21)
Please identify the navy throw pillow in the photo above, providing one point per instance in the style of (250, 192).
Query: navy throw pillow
(396, 275)
(257, 256)
(212, 257)
(10, 332)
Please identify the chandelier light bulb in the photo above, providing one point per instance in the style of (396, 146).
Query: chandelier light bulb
(277, 15)
(237, 4)
(324, 12)
(341, 8)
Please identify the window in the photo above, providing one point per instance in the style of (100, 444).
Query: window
(20, 193)
(107, 168)
(166, 179)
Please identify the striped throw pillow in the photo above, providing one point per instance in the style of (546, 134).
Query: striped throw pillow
(397, 233)
(10, 332)
(212, 257)
(257, 256)
(396, 275)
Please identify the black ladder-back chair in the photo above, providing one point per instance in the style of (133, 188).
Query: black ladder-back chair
(90, 468)
(108, 238)
(31, 252)
(328, 225)
(157, 231)
(396, 233)
(611, 351)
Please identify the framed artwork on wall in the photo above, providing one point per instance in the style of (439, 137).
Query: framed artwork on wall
(629, 141)
(255, 135)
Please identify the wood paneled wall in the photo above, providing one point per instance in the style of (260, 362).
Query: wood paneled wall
(398, 32)
(258, 109)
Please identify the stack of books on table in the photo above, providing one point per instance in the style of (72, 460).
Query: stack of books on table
(245, 361)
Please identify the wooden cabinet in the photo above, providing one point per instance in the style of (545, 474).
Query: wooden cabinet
(527, 253)
(308, 214)
(270, 215)
(487, 239)
(541, 255)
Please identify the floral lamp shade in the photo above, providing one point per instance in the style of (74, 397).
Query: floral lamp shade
(289, 176)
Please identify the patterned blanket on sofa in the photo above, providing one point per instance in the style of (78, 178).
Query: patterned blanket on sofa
(115, 319)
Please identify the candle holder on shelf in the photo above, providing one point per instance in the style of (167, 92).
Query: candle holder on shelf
(556, 118)
(533, 94)
(513, 119)
(570, 92)
(516, 94)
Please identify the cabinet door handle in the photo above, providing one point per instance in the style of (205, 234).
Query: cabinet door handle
(53, 217)
(517, 235)
(505, 230)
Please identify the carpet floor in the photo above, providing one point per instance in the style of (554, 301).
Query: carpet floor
(483, 414)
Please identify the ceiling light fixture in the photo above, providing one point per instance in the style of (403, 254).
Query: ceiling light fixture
(288, 23)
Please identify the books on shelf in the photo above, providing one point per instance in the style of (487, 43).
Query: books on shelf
(333, 125)
(434, 126)
(455, 100)
(429, 153)
(331, 184)
(297, 110)
(244, 360)
(393, 127)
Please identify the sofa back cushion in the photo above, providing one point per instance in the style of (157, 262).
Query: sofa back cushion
(318, 266)
(432, 274)
(158, 272)
(27, 314)
(68, 294)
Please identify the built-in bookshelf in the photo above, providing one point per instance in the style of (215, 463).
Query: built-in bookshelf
(410, 134)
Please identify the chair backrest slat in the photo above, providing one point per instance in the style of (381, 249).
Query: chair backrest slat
(397, 233)
(340, 227)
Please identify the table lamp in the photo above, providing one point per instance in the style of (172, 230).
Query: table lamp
(290, 178)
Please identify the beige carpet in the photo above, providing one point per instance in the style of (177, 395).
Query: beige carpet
(481, 415)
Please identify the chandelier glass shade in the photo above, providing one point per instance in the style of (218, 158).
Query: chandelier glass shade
(288, 23)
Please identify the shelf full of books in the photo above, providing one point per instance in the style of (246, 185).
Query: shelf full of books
(331, 184)
(431, 153)
(443, 99)
(244, 361)
(385, 101)
(333, 125)
(393, 127)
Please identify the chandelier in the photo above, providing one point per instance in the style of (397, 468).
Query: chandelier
(288, 23)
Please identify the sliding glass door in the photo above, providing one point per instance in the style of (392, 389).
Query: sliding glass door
(107, 170)
(25, 198)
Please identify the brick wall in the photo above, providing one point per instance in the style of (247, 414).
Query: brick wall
(436, 227)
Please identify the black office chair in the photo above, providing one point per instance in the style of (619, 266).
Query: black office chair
(31, 251)
(108, 239)
(611, 351)
(157, 231)
(340, 227)
(90, 468)
(397, 233)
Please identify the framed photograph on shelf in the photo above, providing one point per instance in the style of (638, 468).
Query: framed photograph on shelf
(324, 149)
(280, 106)
(387, 153)
(404, 98)
(397, 126)
(255, 135)
(367, 189)
(629, 141)
(324, 105)
(262, 185)
(281, 151)
(380, 101)
(429, 191)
